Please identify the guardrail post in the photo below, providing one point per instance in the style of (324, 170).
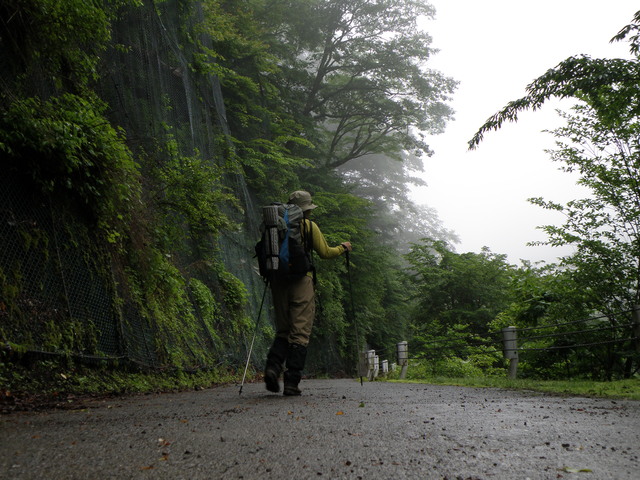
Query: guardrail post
(510, 350)
(403, 358)
(385, 367)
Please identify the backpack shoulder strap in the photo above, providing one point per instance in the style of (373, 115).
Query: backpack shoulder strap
(307, 226)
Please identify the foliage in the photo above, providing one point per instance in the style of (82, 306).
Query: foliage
(57, 141)
(386, 183)
(32, 383)
(188, 196)
(604, 228)
(193, 322)
(578, 77)
(453, 289)
(599, 142)
(455, 298)
(287, 111)
(476, 366)
(354, 74)
(67, 148)
(631, 32)
(543, 294)
(49, 45)
(627, 389)
(261, 132)
(59, 39)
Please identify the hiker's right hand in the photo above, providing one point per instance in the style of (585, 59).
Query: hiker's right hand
(347, 246)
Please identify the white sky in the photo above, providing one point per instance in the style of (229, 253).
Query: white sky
(495, 48)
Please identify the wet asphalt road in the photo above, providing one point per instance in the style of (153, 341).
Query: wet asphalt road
(337, 429)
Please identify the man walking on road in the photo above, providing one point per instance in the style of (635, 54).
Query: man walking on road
(294, 304)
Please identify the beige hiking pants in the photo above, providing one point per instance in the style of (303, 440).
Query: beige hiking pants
(295, 309)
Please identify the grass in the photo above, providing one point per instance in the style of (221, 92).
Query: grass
(45, 384)
(619, 389)
(49, 384)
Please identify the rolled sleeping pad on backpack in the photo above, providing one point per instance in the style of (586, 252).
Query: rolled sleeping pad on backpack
(270, 218)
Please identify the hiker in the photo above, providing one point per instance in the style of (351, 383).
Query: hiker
(294, 304)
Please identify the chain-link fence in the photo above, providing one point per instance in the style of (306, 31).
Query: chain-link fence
(56, 293)
(61, 290)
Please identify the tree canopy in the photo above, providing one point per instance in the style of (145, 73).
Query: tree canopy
(355, 74)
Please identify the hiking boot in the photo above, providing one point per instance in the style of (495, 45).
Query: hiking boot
(271, 380)
(296, 357)
(291, 391)
(275, 358)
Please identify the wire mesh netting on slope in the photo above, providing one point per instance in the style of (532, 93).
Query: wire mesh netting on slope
(56, 278)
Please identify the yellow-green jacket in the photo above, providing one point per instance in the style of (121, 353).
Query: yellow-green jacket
(320, 244)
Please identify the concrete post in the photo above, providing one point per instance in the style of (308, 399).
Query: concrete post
(371, 355)
(510, 350)
(403, 358)
(385, 367)
(376, 366)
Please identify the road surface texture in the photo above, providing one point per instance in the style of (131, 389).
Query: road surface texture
(337, 429)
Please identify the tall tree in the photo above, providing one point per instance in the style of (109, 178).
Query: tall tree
(604, 228)
(354, 72)
(600, 142)
(387, 183)
(457, 291)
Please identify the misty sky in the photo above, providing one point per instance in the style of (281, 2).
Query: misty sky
(495, 48)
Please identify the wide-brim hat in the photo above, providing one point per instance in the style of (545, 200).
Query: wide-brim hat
(302, 199)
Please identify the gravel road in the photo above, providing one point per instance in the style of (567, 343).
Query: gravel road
(337, 429)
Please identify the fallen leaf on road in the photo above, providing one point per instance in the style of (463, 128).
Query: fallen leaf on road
(340, 412)
(576, 470)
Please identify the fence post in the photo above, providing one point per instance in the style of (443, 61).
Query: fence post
(385, 367)
(510, 350)
(403, 358)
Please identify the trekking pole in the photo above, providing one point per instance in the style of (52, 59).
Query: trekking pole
(353, 314)
(255, 331)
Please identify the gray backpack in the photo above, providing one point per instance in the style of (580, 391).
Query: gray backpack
(281, 251)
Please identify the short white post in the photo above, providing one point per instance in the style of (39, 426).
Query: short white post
(376, 366)
(510, 350)
(403, 358)
(385, 367)
(371, 355)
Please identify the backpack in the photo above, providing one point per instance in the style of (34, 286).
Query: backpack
(281, 251)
